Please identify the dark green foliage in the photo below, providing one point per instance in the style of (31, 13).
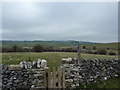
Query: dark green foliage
(84, 47)
(38, 48)
(5, 49)
(68, 50)
(92, 85)
(108, 48)
(15, 48)
(81, 85)
(102, 52)
(59, 46)
(112, 83)
(89, 52)
(112, 53)
(55, 44)
(94, 48)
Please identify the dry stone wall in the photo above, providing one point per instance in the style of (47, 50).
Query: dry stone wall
(70, 73)
(90, 70)
(21, 79)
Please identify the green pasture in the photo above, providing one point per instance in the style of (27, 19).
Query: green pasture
(62, 44)
(53, 58)
(112, 83)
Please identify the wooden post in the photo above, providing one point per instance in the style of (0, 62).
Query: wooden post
(54, 78)
(79, 54)
(47, 78)
(63, 77)
(59, 77)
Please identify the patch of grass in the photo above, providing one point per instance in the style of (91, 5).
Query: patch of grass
(53, 58)
(110, 83)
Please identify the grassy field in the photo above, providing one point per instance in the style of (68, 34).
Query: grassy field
(107, 46)
(111, 83)
(54, 44)
(62, 44)
(111, 46)
(53, 58)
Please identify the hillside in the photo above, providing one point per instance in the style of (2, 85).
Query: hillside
(63, 44)
(107, 46)
(110, 46)
(54, 44)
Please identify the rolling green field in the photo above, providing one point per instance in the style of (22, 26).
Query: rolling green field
(53, 58)
(62, 44)
(55, 44)
(107, 46)
(112, 83)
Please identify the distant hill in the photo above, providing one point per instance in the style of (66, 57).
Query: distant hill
(109, 46)
(55, 44)
(62, 44)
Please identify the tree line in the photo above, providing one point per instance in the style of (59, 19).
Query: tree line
(37, 48)
(40, 48)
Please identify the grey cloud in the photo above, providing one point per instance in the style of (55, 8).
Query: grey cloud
(60, 21)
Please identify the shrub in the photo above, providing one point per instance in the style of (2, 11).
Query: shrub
(16, 48)
(89, 52)
(84, 47)
(38, 48)
(94, 48)
(95, 52)
(112, 53)
(102, 52)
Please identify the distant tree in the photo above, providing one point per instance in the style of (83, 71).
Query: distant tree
(84, 47)
(14, 48)
(51, 48)
(102, 52)
(95, 52)
(112, 53)
(89, 52)
(4, 49)
(94, 47)
(108, 48)
(38, 48)
(118, 49)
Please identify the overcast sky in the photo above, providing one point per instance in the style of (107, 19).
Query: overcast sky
(91, 21)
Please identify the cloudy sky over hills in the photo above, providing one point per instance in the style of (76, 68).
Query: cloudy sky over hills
(89, 21)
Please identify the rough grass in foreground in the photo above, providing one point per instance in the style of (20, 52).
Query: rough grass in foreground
(110, 83)
(53, 58)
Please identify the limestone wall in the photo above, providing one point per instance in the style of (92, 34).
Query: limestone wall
(23, 78)
(90, 70)
(68, 75)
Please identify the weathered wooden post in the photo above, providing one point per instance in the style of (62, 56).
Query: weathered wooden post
(54, 78)
(47, 79)
(63, 77)
(59, 72)
(79, 55)
(51, 76)
(80, 50)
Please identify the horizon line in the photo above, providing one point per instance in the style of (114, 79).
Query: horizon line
(65, 40)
